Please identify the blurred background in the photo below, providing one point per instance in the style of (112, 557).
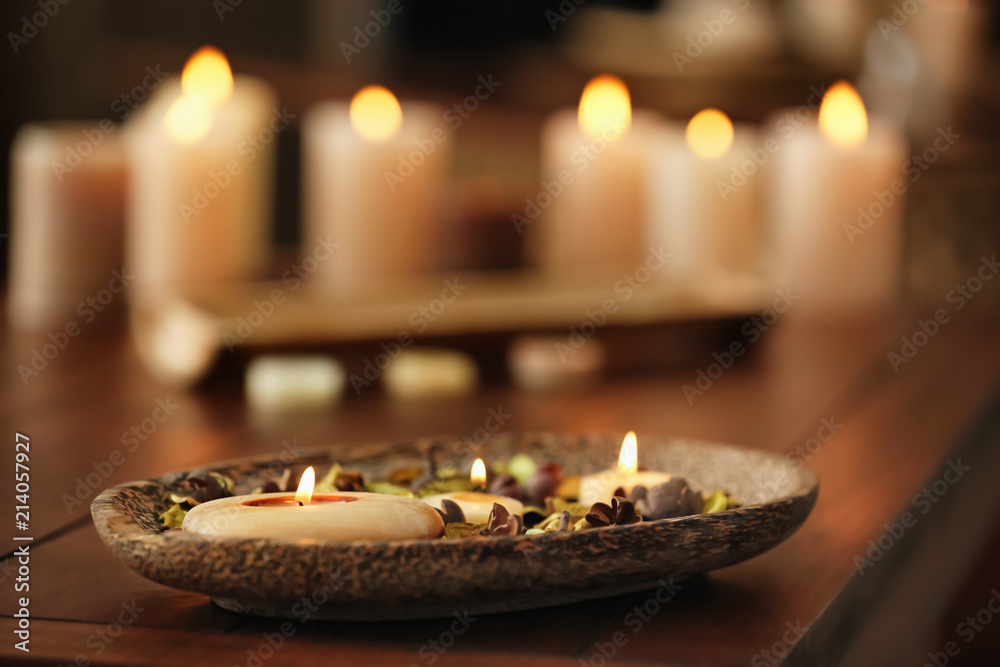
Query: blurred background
(79, 63)
(928, 70)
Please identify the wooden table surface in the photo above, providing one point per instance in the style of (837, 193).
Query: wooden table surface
(878, 437)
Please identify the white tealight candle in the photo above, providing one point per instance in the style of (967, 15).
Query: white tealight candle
(340, 517)
(696, 212)
(837, 197)
(476, 505)
(592, 202)
(600, 487)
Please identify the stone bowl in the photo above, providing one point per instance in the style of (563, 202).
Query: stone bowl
(436, 578)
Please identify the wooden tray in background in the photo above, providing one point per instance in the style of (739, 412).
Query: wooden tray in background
(180, 337)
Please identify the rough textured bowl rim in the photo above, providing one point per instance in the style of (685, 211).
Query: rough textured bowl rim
(136, 546)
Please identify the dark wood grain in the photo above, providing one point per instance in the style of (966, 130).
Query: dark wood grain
(897, 429)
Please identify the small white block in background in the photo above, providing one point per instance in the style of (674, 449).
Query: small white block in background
(420, 373)
(542, 363)
(293, 383)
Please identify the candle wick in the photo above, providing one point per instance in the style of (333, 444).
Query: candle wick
(300, 503)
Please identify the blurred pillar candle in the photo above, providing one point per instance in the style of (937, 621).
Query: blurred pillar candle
(202, 167)
(837, 192)
(373, 173)
(591, 201)
(67, 193)
(698, 211)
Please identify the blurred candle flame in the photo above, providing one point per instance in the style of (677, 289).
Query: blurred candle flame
(710, 133)
(842, 117)
(207, 75)
(375, 113)
(206, 82)
(188, 119)
(605, 105)
(306, 485)
(628, 460)
(478, 476)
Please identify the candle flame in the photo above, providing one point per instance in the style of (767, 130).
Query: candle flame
(206, 82)
(628, 460)
(375, 113)
(207, 75)
(710, 133)
(306, 484)
(478, 476)
(605, 108)
(842, 117)
(188, 119)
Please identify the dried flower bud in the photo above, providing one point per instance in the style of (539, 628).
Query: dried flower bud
(350, 481)
(502, 523)
(619, 513)
(506, 485)
(544, 482)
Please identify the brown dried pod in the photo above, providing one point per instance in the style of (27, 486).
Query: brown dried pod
(506, 485)
(502, 523)
(451, 512)
(619, 513)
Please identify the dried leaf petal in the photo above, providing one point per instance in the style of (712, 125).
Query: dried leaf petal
(388, 488)
(451, 512)
(463, 530)
(174, 517)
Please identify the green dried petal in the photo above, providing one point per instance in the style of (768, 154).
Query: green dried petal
(522, 467)
(405, 476)
(463, 530)
(388, 488)
(174, 517)
(714, 503)
(329, 482)
(556, 505)
(437, 486)
(227, 483)
(534, 531)
(551, 522)
(581, 525)
(446, 472)
(170, 498)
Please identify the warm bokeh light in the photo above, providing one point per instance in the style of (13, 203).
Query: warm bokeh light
(375, 113)
(306, 485)
(188, 119)
(478, 476)
(710, 133)
(207, 75)
(842, 117)
(605, 105)
(628, 460)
